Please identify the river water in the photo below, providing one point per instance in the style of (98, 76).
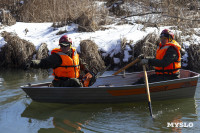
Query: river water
(19, 114)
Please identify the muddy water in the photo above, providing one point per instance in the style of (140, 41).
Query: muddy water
(19, 114)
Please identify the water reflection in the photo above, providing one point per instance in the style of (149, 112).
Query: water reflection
(65, 118)
(175, 111)
(21, 115)
(12, 79)
(127, 117)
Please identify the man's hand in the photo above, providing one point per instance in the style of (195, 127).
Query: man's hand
(89, 79)
(141, 56)
(144, 62)
(88, 75)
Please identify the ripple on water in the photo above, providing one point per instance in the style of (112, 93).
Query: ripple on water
(113, 118)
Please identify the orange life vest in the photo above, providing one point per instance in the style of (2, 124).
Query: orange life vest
(172, 68)
(70, 65)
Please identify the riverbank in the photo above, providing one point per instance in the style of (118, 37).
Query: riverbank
(122, 30)
(118, 45)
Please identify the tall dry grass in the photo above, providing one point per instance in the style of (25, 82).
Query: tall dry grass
(182, 13)
(86, 13)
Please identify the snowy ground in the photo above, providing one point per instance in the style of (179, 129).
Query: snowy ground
(107, 40)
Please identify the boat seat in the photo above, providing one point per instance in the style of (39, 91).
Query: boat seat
(108, 85)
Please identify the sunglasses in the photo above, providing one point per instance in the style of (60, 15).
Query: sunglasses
(61, 45)
(164, 35)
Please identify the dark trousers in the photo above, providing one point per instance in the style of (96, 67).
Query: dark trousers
(71, 82)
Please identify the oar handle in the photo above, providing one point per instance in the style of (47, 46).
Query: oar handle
(147, 90)
(146, 83)
(127, 66)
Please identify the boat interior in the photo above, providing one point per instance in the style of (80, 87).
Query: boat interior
(125, 79)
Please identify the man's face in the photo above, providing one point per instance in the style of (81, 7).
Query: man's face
(164, 40)
(65, 49)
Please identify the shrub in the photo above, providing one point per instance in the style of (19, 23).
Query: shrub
(90, 55)
(16, 52)
(86, 13)
(181, 13)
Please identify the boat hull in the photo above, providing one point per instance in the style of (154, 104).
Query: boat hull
(113, 93)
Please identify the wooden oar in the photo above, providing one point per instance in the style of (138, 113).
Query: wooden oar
(147, 90)
(127, 66)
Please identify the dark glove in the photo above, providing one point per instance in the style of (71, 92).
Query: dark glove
(93, 79)
(141, 56)
(28, 65)
(144, 61)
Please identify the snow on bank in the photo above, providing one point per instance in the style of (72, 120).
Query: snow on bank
(2, 41)
(36, 33)
(108, 40)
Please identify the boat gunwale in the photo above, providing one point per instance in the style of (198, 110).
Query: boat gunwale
(123, 86)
